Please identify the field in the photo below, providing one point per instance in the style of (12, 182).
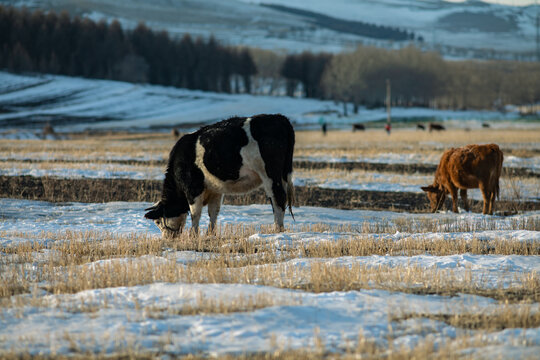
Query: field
(364, 271)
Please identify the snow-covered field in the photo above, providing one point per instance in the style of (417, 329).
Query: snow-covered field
(28, 102)
(387, 298)
(148, 318)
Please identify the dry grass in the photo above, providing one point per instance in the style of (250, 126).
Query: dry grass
(76, 247)
(360, 348)
(102, 148)
(81, 261)
(523, 141)
(94, 166)
(505, 317)
(205, 306)
(516, 142)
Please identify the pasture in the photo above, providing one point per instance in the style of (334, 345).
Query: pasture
(364, 271)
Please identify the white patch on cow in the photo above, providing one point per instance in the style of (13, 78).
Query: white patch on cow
(252, 159)
(250, 172)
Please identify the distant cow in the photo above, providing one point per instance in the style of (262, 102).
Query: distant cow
(436, 127)
(485, 125)
(233, 156)
(359, 127)
(420, 127)
(468, 167)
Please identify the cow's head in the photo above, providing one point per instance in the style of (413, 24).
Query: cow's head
(167, 219)
(436, 196)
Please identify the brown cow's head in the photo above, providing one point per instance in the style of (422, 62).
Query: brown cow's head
(170, 226)
(435, 195)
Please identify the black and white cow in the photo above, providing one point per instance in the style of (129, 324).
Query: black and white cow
(233, 156)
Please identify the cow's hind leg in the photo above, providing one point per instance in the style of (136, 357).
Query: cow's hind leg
(276, 192)
(463, 194)
(491, 202)
(214, 204)
(487, 198)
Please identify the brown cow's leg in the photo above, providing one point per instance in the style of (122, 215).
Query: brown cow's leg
(453, 192)
(486, 197)
(491, 202)
(463, 194)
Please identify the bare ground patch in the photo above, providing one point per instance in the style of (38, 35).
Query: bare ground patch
(105, 190)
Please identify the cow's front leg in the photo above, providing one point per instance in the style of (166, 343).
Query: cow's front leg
(491, 202)
(214, 204)
(463, 194)
(196, 211)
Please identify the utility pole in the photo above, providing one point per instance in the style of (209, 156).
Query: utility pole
(388, 126)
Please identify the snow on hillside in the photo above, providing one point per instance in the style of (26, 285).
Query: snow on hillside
(442, 24)
(75, 104)
(60, 324)
(438, 22)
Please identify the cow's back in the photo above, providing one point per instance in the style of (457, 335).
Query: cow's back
(470, 165)
(222, 143)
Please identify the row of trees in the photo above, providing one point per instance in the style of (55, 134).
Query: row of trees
(350, 26)
(59, 44)
(417, 78)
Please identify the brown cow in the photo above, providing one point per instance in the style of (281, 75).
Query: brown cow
(468, 167)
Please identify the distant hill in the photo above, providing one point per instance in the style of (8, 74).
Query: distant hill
(471, 29)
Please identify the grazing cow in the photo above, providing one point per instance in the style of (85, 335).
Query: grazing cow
(485, 125)
(233, 156)
(359, 127)
(436, 127)
(420, 127)
(468, 167)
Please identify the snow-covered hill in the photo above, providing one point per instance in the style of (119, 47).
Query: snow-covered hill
(458, 29)
(75, 104)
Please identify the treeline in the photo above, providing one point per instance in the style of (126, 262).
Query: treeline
(417, 79)
(348, 26)
(59, 44)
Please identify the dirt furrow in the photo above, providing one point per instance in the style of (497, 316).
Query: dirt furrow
(106, 190)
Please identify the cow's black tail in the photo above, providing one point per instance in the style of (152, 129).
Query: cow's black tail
(290, 194)
(287, 170)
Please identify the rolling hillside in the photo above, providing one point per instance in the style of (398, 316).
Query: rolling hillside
(471, 29)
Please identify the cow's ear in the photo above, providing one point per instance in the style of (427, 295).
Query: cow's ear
(154, 207)
(430, 188)
(155, 212)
